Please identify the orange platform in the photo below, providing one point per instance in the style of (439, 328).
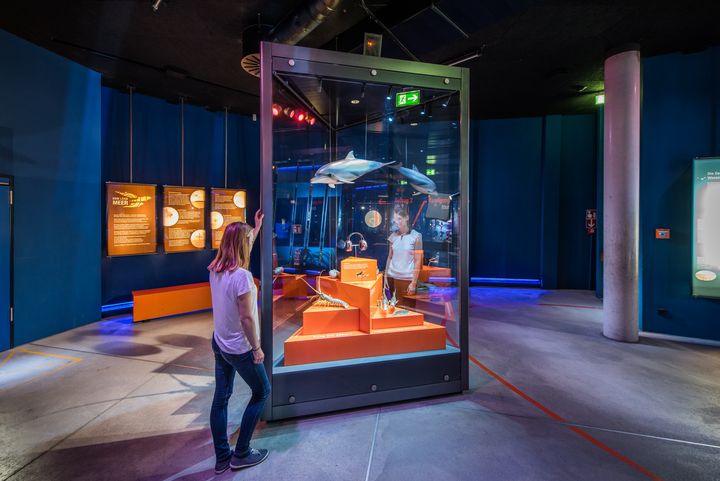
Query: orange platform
(170, 301)
(426, 272)
(319, 320)
(363, 295)
(291, 285)
(303, 348)
(397, 319)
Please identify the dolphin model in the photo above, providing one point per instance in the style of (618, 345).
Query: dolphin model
(345, 171)
(418, 181)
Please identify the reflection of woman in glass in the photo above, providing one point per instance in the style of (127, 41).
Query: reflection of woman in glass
(404, 255)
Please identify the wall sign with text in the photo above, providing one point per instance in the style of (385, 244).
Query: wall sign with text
(183, 218)
(131, 219)
(706, 228)
(226, 206)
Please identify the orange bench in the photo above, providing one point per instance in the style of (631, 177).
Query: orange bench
(170, 301)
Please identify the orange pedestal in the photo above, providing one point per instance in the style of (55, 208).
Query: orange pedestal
(387, 321)
(169, 301)
(363, 295)
(426, 272)
(291, 285)
(318, 320)
(306, 348)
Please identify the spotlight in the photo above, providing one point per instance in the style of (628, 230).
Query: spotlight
(301, 117)
(413, 124)
(390, 119)
(355, 101)
(156, 5)
(289, 112)
(311, 120)
(276, 109)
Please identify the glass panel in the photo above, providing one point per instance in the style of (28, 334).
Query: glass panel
(366, 207)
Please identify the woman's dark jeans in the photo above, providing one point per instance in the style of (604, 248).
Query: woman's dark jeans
(255, 377)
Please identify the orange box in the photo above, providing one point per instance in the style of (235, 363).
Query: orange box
(325, 319)
(363, 295)
(381, 320)
(354, 269)
(307, 348)
(169, 301)
(426, 272)
(291, 285)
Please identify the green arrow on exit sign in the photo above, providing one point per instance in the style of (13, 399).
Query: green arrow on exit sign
(404, 99)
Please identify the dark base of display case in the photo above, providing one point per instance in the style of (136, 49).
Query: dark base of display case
(332, 386)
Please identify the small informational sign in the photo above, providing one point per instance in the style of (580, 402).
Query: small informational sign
(131, 219)
(438, 207)
(662, 234)
(226, 206)
(183, 218)
(706, 228)
(407, 99)
(591, 221)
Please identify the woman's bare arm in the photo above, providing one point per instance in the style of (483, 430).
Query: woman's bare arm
(247, 322)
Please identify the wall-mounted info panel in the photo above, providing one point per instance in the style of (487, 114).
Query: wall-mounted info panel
(706, 228)
(131, 219)
(183, 218)
(226, 206)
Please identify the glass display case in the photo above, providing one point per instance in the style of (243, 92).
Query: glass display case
(365, 194)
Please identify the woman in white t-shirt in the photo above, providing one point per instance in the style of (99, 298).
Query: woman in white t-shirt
(236, 345)
(405, 254)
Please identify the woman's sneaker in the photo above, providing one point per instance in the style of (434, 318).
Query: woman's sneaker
(253, 458)
(221, 467)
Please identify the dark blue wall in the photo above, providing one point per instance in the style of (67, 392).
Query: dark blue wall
(50, 119)
(156, 160)
(680, 120)
(532, 179)
(505, 238)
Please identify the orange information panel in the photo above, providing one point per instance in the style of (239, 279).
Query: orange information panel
(226, 206)
(131, 220)
(183, 218)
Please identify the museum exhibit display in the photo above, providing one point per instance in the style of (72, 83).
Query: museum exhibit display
(131, 219)
(364, 185)
(183, 218)
(226, 206)
(706, 227)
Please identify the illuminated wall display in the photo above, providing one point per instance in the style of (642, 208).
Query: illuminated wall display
(226, 206)
(183, 218)
(706, 228)
(131, 220)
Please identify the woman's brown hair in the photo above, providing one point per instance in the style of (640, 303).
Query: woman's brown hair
(234, 251)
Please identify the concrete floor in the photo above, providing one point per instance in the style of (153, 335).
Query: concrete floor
(116, 401)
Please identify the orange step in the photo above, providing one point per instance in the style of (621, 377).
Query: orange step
(326, 319)
(169, 301)
(303, 348)
(387, 321)
(363, 295)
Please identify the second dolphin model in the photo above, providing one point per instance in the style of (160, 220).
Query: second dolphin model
(345, 171)
(418, 181)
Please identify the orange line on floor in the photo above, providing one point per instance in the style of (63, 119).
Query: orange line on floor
(49, 354)
(7, 358)
(579, 431)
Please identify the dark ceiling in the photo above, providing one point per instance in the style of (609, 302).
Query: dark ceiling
(537, 57)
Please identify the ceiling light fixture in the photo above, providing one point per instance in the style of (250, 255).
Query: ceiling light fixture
(355, 101)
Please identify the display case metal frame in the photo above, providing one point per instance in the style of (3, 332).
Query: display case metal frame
(367, 382)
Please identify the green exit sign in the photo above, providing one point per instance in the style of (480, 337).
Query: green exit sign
(405, 99)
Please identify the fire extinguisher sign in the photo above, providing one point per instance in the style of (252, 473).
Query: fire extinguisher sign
(591, 221)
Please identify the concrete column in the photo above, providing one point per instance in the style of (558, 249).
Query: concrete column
(621, 216)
